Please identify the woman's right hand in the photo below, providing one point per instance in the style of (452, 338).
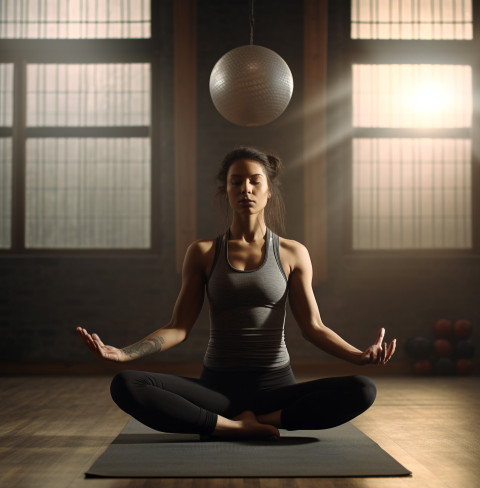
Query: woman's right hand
(100, 350)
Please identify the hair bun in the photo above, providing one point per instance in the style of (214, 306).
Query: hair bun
(275, 163)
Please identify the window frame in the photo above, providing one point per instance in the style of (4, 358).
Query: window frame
(153, 50)
(381, 51)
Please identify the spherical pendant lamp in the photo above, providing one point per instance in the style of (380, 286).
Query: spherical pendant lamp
(251, 85)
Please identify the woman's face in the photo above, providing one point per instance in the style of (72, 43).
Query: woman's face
(247, 187)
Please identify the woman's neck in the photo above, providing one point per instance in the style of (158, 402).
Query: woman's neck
(248, 230)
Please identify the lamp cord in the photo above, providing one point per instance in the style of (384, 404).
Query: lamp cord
(252, 20)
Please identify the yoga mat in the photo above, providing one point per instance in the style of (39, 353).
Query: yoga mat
(344, 451)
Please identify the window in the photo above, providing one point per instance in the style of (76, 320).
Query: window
(412, 193)
(85, 95)
(74, 19)
(412, 96)
(411, 19)
(6, 122)
(75, 125)
(5, 191)
(88, 192)
(412, 125)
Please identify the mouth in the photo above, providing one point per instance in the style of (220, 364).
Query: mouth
(246, 201)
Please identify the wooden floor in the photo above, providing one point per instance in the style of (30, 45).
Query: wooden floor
(53, 428)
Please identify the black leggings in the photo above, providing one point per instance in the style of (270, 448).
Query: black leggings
(188, 405)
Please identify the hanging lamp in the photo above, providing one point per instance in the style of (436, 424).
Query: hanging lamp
(251, 85)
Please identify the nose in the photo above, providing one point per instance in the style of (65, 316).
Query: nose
(246, 187)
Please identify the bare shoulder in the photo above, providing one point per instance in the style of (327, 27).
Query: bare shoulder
(200, 255)
(294, 254)
(293, 248)
(202, 246)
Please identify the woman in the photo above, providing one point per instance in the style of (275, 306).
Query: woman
(247, 387)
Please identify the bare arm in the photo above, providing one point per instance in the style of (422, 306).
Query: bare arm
(185, 313)
(305, 309)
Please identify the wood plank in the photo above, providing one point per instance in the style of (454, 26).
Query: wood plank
(53, 428)
(193, 368)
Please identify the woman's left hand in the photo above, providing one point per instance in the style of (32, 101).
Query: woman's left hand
(380, 352)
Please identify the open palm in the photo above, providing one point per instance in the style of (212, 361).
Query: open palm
(379, 352)
(98, 348)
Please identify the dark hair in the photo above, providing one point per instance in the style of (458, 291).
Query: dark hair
(275, 209)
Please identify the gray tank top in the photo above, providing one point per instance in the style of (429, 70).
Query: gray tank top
(247, 311)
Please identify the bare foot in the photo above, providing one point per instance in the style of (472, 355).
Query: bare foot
(245, 425)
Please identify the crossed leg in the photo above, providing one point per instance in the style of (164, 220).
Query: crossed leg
(184, 405)
(318, 404)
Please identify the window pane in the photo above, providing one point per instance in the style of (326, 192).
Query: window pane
(88, 193)
(412, 96)
(5, 192)
(88, 95)
(6, 95)
(411, 19)
(412, 194)
(74, 19)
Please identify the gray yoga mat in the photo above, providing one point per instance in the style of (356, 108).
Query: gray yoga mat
(345, 451)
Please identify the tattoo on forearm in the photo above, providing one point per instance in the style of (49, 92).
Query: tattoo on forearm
(144, 347)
